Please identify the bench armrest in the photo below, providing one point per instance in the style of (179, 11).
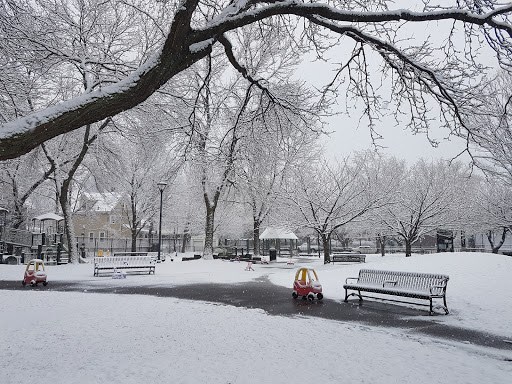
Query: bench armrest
(441, 286)
(389, 282)
(351, 278)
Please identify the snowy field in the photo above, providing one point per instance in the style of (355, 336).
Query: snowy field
(80, 337)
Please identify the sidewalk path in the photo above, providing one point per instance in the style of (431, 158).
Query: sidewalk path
(278, 301)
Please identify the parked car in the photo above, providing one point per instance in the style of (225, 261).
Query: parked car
(304, 247)
(364, 249)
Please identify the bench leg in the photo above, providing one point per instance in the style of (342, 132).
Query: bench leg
(445, 306)
(352, 294)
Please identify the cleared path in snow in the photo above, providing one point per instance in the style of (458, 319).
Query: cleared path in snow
(277, 300)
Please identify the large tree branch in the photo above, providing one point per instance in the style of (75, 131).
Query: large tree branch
(225, 22)
(21, 136)
(185, 46)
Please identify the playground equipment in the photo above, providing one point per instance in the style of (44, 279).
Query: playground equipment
(306, 284)
(44, 241)
(35, 273)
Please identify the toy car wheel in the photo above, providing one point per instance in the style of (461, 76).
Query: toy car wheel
(319, 296)
(45, 283)
(311, 297)
(294, 295)
(23, 283)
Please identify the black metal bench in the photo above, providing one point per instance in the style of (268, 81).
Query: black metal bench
(425, 286)
(348, 257)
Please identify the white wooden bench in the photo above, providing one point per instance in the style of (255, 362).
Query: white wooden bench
(426, 286)
(108, 264)
(348, 257)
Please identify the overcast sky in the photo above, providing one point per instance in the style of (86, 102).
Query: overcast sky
(397, 141)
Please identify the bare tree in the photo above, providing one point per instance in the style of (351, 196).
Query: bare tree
(393, 170)
(428, 200)
(423, 73)
(329, 197)
(490, 211)
(65, 158)
(23, 176)
(133, 168)
(489, 135)
(279, 142)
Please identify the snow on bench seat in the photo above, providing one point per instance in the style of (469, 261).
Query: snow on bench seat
(111, 263)
(425, 286)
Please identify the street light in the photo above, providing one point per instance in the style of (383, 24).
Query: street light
(3, 229)
(161, 187)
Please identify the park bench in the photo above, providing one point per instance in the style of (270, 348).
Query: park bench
(132, 263)
(154, 255)
(348, 257)
(425, 286)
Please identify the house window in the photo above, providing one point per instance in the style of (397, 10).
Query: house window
(102, 236)
(91, 236)
(112, 219)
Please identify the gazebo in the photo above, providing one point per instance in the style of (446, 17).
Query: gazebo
(274, 236)
(46, 217)
(48, 230)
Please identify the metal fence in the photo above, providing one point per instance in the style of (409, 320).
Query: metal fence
(89, 247)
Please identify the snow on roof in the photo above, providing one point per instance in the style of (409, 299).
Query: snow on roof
(277, 233)
(48, 216)
(104, 202)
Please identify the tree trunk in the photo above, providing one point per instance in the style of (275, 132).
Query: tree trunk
(134, 240)
(256, 237)
(134, 223)
(408, 248)
(496, 248)
(208, 235)
(186, 238)
(382, 244)
(68, 227)
(327, 249)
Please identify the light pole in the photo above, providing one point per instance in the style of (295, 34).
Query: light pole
(161, 187)
(3, 212)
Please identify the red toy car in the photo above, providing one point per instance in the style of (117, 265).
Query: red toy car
(306, 284)
(35, 273)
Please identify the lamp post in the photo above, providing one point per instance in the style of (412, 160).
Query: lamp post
(3, 212)
(161, 187)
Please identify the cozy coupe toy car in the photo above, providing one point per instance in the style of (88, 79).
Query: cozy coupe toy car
(306, 284)
(35, 273)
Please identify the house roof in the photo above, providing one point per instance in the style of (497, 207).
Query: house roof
(277, 233)
(103, 202)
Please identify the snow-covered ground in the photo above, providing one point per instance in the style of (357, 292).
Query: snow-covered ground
(80, 337)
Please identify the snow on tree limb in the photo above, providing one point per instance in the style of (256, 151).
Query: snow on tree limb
(192, 34)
